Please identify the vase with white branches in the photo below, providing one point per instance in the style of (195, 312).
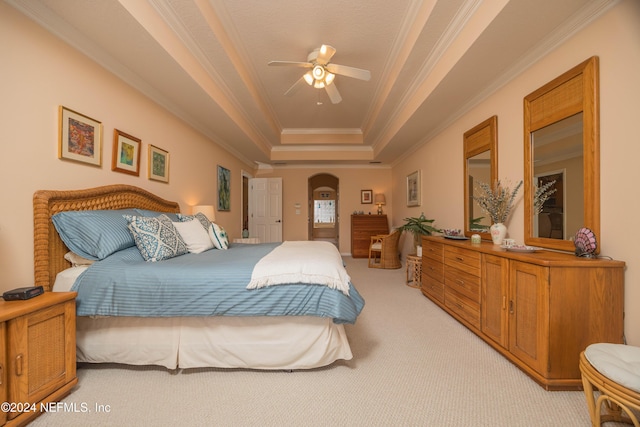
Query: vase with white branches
(497, 202)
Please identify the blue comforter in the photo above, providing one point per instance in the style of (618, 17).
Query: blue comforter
(212, 283)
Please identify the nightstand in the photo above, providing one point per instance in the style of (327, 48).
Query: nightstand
(37, 353)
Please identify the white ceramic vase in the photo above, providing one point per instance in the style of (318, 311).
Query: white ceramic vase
(498, 233)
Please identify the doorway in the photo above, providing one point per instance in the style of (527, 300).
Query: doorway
(323, 201)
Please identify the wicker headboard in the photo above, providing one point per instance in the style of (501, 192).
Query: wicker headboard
(49, 249)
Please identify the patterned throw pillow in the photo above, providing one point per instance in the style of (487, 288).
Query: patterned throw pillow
(199, 216)
(218, 236)
(156, 238)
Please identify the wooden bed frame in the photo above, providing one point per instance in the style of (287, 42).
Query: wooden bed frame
(49, 250)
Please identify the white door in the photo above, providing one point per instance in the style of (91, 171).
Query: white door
(265, 209)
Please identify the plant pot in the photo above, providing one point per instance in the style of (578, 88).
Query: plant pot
(498, 233)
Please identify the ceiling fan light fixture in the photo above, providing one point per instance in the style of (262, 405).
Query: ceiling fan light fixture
(329, 78)
(318, 72)
(308, 77)
(319, 84)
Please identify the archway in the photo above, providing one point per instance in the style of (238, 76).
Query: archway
(323, 202)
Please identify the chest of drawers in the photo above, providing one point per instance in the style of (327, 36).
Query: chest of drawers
(362, 228)
(539, 310)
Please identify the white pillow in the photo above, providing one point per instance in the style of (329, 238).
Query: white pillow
(218, 236)
(194, 235)
(76, 260)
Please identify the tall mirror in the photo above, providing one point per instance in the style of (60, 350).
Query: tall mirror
(480, 165)
(561, 155)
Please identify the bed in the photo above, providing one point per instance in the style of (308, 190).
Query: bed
(300, 327)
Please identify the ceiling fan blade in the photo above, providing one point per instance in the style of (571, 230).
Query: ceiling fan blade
(291, 64)
(344, 70)
(294, 88)
(333, 93)
(325, 54)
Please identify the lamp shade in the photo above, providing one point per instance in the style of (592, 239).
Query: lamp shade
(379, 199)
(206, 210)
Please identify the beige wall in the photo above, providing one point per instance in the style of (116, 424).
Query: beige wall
(39, 73)
(615, 38)
(351, 182)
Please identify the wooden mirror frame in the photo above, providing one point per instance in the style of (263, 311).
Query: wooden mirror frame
(479, 139)
(573, 92)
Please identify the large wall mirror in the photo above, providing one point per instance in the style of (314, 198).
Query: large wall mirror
(480, 165)
(561, 152)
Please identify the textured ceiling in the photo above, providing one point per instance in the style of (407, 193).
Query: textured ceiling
(206, 61)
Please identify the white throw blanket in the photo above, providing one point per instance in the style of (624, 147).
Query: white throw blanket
(301, 262)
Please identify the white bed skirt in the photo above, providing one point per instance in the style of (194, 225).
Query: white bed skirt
(221, 342)
(278, 342)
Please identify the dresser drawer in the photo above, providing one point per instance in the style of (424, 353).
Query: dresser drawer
(433, 250)
(433, 269)
(432, 288)
(462, 306)
(462, 259)
(463, 283)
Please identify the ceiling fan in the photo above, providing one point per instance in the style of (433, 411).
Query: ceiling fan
(322, 72)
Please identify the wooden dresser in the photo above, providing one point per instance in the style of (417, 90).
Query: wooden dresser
(362, 228)
(38, 358)
(539, 310)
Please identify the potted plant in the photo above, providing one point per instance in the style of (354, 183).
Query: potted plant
(419, 227)
(496, 202)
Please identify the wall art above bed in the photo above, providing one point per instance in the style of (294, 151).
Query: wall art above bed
(79, 137)
(158, 164)
(224, 189)
(126, 153)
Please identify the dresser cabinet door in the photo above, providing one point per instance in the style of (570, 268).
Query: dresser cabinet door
(529, 314)
(495, 289)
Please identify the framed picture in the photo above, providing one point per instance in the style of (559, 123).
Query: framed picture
(413, 189)
(80, 137)
(126, 153)
(224, 189)
(158, 164)
(366, 197)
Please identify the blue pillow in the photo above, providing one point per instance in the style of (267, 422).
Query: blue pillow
(94, 234)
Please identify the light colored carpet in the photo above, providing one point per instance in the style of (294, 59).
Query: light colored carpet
(413, 366)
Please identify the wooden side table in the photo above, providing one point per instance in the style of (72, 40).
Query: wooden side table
(414, 271)
(38, 360)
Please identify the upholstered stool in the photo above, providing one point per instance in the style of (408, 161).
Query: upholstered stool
(614, 370)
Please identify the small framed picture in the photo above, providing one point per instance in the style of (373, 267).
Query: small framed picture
(79, 138)
(413, 189)
(158, 164)
(224, 189)
(366, 197)
(126, 153)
